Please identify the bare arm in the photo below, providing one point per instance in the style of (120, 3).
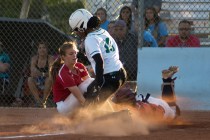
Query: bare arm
(48, 79)
(99, 69)
(50, 62)
(77, 93)
(34, 71)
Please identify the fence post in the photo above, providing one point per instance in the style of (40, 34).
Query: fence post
(140, 19)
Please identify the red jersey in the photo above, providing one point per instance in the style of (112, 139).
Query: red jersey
(175, 41)
(65, 79)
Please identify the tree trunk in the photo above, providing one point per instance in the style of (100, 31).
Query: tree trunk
(25, 9)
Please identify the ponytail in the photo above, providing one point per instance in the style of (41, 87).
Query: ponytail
(55, 68)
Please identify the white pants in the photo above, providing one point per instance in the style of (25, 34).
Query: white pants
(71, 103)
(169, 112)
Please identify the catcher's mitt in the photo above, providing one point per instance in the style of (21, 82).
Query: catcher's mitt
(124, 95)
(174, 68)
(168, 73)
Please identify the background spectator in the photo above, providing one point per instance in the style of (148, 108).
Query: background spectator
(157, 27)
(4, 68)
(157, 4)
(102, 14)
(111, 28)
(184, 38)
(149, 40)
(127, 43)
(39, 80)
(126, 15)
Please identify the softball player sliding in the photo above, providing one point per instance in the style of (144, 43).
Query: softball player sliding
(149, 106)
(155, 106)
(102, 52)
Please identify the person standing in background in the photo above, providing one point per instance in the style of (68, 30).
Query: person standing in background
(102, 14)
(157, 4)
(149, 40)
(126, 15)
(111, 28)
(156, 26)
(127, 43)
(184, 38)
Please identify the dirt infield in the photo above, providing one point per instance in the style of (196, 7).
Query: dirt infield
(46, 124)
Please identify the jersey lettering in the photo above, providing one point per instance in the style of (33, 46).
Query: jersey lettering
(108, 46)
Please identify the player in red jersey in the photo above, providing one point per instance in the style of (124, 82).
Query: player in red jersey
(70, 79)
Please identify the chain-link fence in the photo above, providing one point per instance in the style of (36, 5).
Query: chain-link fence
(153, 23)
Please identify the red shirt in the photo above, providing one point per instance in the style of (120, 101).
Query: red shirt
(175, 41)
(65, 79)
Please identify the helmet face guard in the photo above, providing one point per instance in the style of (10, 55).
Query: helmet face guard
(79, 30)
(78, 20)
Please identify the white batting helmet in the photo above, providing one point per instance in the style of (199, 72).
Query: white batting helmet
(78, 19)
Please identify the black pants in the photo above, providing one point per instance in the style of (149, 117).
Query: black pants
(168, 93)
(113, 81)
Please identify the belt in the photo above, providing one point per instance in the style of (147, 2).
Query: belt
(113, 73)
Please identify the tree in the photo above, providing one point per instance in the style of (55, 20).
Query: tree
(25, 9)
